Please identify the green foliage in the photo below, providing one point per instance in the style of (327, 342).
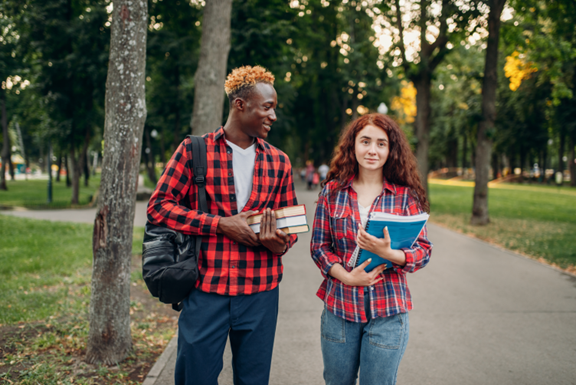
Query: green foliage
(328, 62)
(173, 51)
(456, 107)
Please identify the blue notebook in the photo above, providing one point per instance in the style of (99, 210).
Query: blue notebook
(403, 230)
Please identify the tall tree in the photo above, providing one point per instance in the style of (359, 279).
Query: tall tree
(172, 56)
(109, 339)
(8, 63)
(211, 72)
(65, 44)
(439, 24)
(486, 126)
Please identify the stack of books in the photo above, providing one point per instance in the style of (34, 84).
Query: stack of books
(291, 220)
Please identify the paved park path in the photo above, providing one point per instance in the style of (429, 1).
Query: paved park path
(482, 315)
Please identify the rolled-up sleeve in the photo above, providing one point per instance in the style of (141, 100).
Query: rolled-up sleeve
(321, 244)
(164, 208)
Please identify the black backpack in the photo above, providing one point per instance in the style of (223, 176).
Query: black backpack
(170, 258)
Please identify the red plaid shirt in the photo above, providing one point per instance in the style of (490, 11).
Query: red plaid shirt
(226, 267)
(334, 240)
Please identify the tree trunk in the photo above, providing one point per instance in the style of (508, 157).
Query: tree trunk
(109, 339)
(78, 163)
(522, 163)
(571, 164)
(162, 150)
(49, 168)
(355, 104)
(464, 153)
(86, 167)
(5, 141)
(59, 166)
(562, 143)
(11, 165)
(75, 175)
(67, 163)
(211, 72)
(486, 126)
(422, 124)
(495, 166)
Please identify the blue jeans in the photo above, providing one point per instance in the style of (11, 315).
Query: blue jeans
(204, 326)
(376, 347)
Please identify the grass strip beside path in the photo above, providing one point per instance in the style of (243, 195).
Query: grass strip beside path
(34, 193)
(45, 281)
(539, 223)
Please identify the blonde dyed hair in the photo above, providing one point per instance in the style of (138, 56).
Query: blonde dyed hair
(247, 77)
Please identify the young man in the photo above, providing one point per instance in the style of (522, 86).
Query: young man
(237, 290)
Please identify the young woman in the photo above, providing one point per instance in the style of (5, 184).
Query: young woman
(365, 319)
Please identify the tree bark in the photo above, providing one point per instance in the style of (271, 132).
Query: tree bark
(67, 164)
(78, 166)
(480, 214)
(86, 165)
(211, 72)
(422, 124)
(109, 339)
(5, 141)
(59, 165)
(464, 153)
(75, 175)
(562, 144)
(571, 164)
(10, 164)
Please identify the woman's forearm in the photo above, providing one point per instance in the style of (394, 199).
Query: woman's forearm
(339, 272)
(397, 257)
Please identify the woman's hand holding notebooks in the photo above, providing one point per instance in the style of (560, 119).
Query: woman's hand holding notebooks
(403, 231)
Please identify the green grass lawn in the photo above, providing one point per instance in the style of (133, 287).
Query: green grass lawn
(45, 276)
(34, 193)
(46, 268)
(535, 221)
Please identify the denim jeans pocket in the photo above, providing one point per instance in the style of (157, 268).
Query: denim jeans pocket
(332, 327)
(387, 332)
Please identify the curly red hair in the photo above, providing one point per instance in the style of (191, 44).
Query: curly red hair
(400, 167)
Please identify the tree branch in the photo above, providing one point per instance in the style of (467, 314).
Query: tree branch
(401, 33)
(442, 38)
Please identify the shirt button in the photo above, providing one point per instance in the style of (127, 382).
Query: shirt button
(229, 174)
(233, 266)
(233, 243)
(229, 152)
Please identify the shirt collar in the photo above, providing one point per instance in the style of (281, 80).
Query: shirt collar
(386, 185)
(219, 134)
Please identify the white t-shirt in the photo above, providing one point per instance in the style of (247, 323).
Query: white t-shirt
(243, 166)
(363, 211)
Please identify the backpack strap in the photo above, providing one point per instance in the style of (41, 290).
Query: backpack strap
(200, 167)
